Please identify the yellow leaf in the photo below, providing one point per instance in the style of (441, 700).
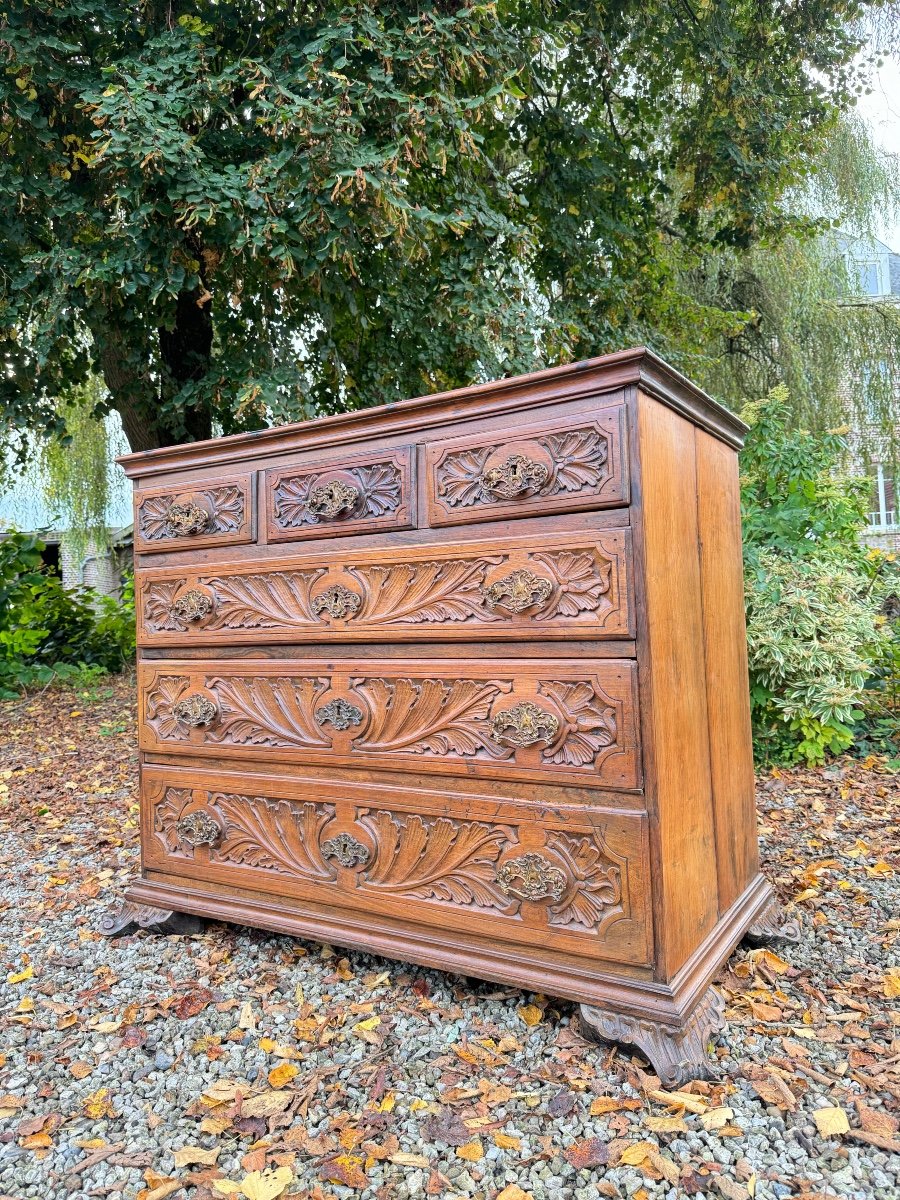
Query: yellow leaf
(188, 1155)
(266, 1185)
(601, 1105)
(98, 1105)
(247, 1020)
(36, 1141)
(471, 1151)
(685, 1100)
(505, 1141)
(634, 1155)
(666, 1124)
(531, 1014)
(892, 983)
(513, 1192)
(267, 1045)
(417, 1105)
(402, 1159)
(830, 1121)
(387, 1104)
(25, 1005)
(21, 976)
(716, 1118)
(282, 1074)
(770, 960)
(368, 1023)
(226, 1187)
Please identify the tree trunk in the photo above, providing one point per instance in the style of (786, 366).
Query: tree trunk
(186, 352)
(133, 395)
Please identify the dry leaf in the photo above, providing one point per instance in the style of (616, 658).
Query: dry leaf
(471, 1151)
(601, 1105)
(345, 1170)
(634, 1155)
(505, 1141)
(282, 1074)
(831, 1121)
(716, 1118)
(773, 1090)
(366, 1030)
(513, 1192)
(874, 1120)
(98, 1105)
(587, 1153)
(666, 1124)
(531, 1014)
(766, 958)
(402, 1159)
(686, 1100)
(891, 983)
(21, 976)
(188, 1155)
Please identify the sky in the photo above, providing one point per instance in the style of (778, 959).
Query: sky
(882, 110)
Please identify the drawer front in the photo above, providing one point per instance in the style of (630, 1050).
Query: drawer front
(204, 514)
(467, 863)
(557, 466)
(528, 720)
(356, 493)
(515, 588)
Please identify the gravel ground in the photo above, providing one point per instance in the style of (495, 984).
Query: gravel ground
(241, 1063)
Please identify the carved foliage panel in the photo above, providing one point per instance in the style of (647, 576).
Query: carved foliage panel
(555, 466)
(522, 724)
(580, 585)
(574, 881)
(185, 517)
(357, 493)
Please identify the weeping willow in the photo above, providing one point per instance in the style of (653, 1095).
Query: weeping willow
(800, 319)
(74, 472)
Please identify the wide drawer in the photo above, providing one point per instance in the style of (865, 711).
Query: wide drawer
(368, 492)
(512, 719)
(186, 517)
(564, 465)
(469, 863)
(509, 588)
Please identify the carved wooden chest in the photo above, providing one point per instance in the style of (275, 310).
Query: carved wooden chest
(462, 681)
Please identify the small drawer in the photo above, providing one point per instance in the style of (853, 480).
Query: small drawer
(476, 864)
(520, 719)
(539, 585)
(557, 466)
(357, 493)
(189, 517)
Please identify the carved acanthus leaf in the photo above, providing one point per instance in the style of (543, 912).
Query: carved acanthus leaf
(412, 593)
(381, 486)
(437, 859)
(277, 600)
(590, 720)
(268, 712)
(597, 890)
(368, 491)
(161, 700)
(460, 477)
(582, 582)
(429, 716)
(579, 459)
(274, 835)
(166, 815)
(223, 507)
(159, 615)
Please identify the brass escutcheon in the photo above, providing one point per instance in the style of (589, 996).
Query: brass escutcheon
(329, 500)
(515, 477)
(531, 877)
(524, 725)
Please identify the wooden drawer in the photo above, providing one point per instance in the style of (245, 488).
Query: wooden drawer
(471, 863)
(491, 589)
(564, 465)
(354, 493)
(217, 513)
(510, 719)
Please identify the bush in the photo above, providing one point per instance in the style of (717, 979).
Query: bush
(47, 630)
(817, 635)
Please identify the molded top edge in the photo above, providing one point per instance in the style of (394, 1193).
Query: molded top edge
(637, 367)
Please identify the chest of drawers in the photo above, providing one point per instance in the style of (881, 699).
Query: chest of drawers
(462, 681)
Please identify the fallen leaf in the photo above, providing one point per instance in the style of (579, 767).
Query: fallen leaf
(505, 1141)
(634, 1155)
(587, 1153)
(471, 1151)
(513, 1192)
(891, 983)
(874, 1120)
(282, 1074)
(402, 1159)
(666, 1124)
(773, 1090)
(601, 1105)
(192, 1003)
(716, 1118)
(768, 959)
(531, 1014)
(21, 976)
(98, 1105)
(831, 1121)
(345, 1170)
(188, 1155)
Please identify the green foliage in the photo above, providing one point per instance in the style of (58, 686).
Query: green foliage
(814, 623)
(245, 214)
(48, 631)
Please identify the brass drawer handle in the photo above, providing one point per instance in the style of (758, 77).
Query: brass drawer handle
(196, 710)
(516, 477)
(531, 877)
(198, 829)
(192, 605)
(524, 725)
(330, 500)
(184, 520)
(517, 591)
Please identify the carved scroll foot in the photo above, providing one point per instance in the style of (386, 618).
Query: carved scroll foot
(773, 926)
(128, 917)
(677, 1053)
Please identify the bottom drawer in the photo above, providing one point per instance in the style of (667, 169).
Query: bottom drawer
(571, 879)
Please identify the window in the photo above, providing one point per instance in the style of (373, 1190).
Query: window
(869, 278)
(883, 514)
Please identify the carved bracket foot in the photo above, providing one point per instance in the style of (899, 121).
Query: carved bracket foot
(677, 1053)
(128, 917)
(772, 926)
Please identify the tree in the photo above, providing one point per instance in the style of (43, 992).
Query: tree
(245, 214)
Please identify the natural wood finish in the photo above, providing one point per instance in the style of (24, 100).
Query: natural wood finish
(674, 684)
(491, 589)
(473, 694)
(725, 648)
